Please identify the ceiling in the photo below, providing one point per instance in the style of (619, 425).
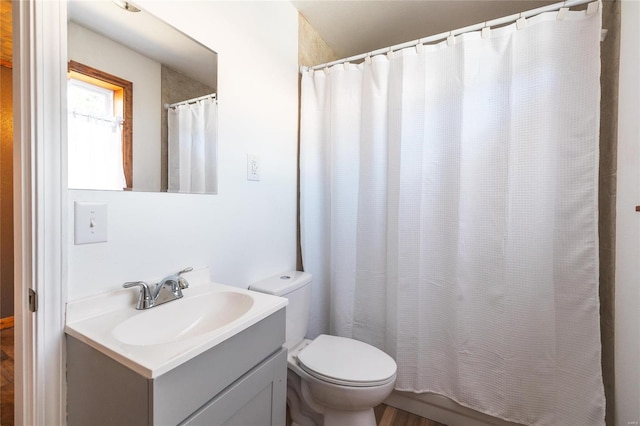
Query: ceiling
(149, 36)
(352, 27)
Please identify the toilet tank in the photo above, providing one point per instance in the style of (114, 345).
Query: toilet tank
(296, 287)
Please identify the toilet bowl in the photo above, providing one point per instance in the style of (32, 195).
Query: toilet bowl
(331, 380)
(342, 379)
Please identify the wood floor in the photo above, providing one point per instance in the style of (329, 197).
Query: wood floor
(6, 377)
(390, 416)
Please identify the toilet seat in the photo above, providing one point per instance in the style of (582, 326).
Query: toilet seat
(346, 362)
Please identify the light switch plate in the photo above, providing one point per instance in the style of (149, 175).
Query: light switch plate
(90, 222)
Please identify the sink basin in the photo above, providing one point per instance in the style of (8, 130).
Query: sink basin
(156, 340)
(183, 319)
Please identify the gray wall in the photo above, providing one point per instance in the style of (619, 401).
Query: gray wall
(610, 58)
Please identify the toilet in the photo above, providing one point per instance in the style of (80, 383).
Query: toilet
(331, 380)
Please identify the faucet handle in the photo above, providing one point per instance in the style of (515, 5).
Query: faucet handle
(183, 283)
(188, 269)
(145, 301)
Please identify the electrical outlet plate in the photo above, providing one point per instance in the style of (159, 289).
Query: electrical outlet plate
(90, 222)
(253, 167)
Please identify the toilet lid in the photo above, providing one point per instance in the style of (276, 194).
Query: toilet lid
(346, 361)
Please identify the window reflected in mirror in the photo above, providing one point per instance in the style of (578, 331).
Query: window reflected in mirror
(99, 129)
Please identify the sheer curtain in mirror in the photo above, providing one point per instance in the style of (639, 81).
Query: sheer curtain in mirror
(94, 138)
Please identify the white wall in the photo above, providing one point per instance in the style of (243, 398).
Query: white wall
(90, 48)
(247, 231)
(627, 319)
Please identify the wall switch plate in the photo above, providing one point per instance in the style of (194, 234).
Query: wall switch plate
(90, 222)
(253, 167)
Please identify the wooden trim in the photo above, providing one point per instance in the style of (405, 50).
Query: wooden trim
(6, 323)
(127, 112)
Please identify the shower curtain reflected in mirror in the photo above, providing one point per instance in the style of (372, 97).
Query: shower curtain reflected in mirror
(449, 215)
(192, 133)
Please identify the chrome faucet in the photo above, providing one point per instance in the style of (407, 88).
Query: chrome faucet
(168, 289)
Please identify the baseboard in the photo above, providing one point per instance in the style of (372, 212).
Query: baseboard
(441, 409)
(6, 323)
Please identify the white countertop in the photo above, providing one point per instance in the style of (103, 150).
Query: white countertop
(92, 321)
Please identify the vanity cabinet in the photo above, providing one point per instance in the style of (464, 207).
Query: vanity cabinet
(241, 381)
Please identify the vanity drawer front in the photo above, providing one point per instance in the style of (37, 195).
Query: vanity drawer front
(256, 399)
(180, 392)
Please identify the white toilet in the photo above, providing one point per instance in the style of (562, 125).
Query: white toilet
(331, 381)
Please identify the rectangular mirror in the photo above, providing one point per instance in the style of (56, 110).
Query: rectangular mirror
(141, 100)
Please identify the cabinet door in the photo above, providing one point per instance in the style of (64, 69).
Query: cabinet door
(101, 391)
(256, 399)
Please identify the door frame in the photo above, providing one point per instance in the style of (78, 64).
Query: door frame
(39, 209)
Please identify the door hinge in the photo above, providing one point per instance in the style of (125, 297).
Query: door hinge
(33, 300)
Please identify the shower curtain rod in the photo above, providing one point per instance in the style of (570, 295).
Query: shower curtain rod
(442, 36)
(191, 101)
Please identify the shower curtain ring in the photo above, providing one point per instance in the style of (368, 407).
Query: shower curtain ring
(451, 40)
(485, 30)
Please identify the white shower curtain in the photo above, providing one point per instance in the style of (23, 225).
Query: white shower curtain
(449, 215)
(192, 134)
